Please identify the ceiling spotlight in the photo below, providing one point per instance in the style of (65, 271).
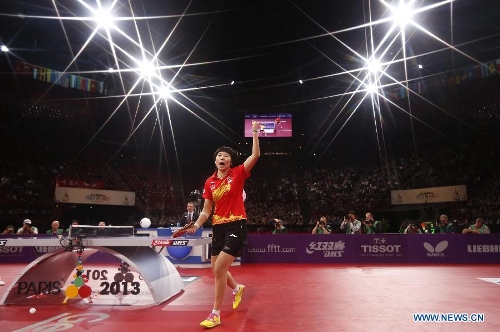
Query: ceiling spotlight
(232, 82)
(402, 14)
(165, 92)
(300, 81)
(147, 69)
(371, 88)
(420, 66)
(104, 19)
(4, 48)
(111, 70)
(373, 66)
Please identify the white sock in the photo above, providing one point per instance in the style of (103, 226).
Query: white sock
(236, 290)
(216, 312)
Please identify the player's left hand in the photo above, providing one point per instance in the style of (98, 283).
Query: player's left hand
(255, 125)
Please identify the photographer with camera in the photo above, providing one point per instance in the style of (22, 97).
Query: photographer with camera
(445, 226)
(412, 229)
(322, 227)
(27, 228)
(371, 225)
(278, 227)
(351, 225)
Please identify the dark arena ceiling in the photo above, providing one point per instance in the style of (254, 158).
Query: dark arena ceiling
(356, 75)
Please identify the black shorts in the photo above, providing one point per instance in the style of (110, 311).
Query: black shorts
(229, 238)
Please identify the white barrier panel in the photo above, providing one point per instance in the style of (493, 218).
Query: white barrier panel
(429, 195)
(94, 196)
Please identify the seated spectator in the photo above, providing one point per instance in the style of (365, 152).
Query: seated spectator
(279, 228)
(101, 231)
(55, 230)
(27, 228)
(478, 228)
(74, 231)
(9, 230)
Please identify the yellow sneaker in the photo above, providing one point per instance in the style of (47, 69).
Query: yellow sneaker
(237, 297)
(212, 321)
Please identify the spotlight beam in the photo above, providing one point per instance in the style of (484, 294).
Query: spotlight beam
(330, 125)
(74, 57)
(163, 83)
(340, 130)
(447, 44)
(102, 127)
(132, 133)
(378, 51)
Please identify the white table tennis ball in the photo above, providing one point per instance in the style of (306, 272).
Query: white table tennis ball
(145, 222)
(32, 310)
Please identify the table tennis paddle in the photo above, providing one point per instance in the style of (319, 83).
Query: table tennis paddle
(181, 231)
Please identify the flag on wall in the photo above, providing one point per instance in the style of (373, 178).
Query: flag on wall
(58, 78)
(445, 81)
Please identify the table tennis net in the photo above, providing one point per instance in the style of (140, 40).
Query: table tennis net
(97, 231)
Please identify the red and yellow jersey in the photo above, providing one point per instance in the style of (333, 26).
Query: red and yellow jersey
(227, 195)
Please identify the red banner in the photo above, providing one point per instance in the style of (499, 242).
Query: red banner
(77, 183)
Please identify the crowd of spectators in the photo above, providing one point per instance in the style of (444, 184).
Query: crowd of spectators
(270, 196)
(329, 192)
(151, 185)
(332, 191)
(33, 111)
(30, 167)
(18, 191)
(486, 114)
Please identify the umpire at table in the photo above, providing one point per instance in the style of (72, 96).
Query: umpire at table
(189, 215)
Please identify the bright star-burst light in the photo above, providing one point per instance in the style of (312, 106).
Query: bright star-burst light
(104, 19)
(372, 88)
(138, 68)
(373, 66)
(371, 80)
(147, 69)
(403, 13)
(401, 17)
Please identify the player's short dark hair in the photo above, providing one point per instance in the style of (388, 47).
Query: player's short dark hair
(232, 152)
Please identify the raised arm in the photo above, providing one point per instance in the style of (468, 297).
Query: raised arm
(252, 159)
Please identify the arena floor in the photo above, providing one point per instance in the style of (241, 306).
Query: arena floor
(292, 297)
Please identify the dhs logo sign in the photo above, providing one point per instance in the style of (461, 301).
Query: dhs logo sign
(179, 243)
(328, 249)
(168, 243)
